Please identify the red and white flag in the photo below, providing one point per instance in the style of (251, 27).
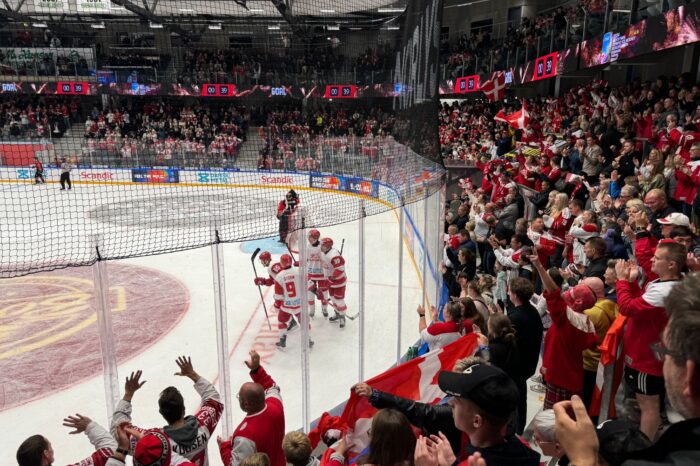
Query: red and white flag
(495, 89)
(415, 379)
(518, 120)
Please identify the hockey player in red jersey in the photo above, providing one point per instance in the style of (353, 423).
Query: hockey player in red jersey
(285, 208)
(286, 284)
(188, 434)
(316, 276)
(334, 265)
(273, 269)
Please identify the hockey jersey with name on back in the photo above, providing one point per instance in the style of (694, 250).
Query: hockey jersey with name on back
(273, 269)
(189, 441)
(286, 286)
(334, 266)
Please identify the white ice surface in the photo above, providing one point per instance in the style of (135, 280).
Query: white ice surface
(334, 359)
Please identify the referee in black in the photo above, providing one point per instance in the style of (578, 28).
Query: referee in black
(65, 174)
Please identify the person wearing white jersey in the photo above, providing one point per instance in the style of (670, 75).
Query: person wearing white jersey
(189, 434)
(284, 320)
(334, 266)
(316, 276)
(286, 284)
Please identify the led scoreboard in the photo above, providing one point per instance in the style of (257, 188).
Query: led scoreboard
(72, 88)
(545, 66)
(467, 84)
(218, 90)
(345, 91)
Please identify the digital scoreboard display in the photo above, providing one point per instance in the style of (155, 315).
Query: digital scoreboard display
(467, 84)
(545, 67)
(72, 88)
(218, 90)
(345, 91)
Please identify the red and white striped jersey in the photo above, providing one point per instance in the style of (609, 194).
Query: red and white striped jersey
(334, 267)
(286, 286)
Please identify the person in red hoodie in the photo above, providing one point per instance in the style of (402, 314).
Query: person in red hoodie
(262, 430)
(571, 333)
(688, 176)
(646, 320)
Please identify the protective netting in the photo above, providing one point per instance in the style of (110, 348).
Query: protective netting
(185, 123)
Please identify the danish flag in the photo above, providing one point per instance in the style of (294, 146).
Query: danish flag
(518, 120)
(495, 89)
(415, 380)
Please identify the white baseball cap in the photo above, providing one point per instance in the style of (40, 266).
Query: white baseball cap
(675, 219)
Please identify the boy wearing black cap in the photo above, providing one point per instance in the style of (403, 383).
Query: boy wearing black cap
(484, 399)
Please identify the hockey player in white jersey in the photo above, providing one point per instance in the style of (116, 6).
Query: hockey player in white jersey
(284, 320)
(316, 275)
(286, 284)
(334, 267)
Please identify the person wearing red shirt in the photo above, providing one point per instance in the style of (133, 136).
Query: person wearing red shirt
(262, 430)
(646, 320)
(688, 176)
(571, 333)
(285, 208)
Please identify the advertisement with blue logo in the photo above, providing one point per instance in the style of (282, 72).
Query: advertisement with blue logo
(211, 177)
(155, 175)
(332, 182)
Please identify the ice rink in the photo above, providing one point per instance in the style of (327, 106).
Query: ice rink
(163, 307)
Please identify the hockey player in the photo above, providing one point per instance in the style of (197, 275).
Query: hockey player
(273, 270)
(286, 284)
(38, 172)
(334, 265)
(285, 208)
(316, 276)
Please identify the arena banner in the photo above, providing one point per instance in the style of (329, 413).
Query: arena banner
(14, 55)
(362, 186)
(331, 182)
(51, 6)
(102, 7)
(154, 175)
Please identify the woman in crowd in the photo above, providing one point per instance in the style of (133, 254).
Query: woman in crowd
(439, 334)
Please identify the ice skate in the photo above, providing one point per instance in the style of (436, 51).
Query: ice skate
(282, 344)
(336, 318)
(324, 311)
(311, 343)
(292, 326)
(312, 313)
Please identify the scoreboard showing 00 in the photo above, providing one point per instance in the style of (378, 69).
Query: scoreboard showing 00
(341, 92)
(545, 67)
(218, 90)
(72, 88)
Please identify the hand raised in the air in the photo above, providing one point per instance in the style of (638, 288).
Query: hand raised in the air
(132, 384)
(254, 361)
(186, 369)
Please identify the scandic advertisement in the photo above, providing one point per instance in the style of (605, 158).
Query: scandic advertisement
(150, 175)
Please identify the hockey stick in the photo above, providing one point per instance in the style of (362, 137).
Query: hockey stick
(252, 261)
(342, 245)
(351, 317)
(290, 252)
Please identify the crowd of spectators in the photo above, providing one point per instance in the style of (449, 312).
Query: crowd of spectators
(45, 118)
(582, 228)
(166, 132)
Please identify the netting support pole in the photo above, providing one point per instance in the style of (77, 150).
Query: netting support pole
(440, 198)
(425, 246)
(104, 325)
(303, 287)
(219, 283)
(399, 300)
(361, 310)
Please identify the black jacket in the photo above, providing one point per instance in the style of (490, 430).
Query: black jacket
(678, 446)
(596, 268)
(431, 419)
(528, 338)
(450, 277)
(503, 355)
(511, 453)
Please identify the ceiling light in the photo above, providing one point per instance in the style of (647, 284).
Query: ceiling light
(391, 10)
(215, 27)
(355, 29)
(40, 25)
(186, 10)
(98, 25)
(256, 10)
(333, 28)
(325, 10)
(393, 28)
(153, 25)
(273, 28)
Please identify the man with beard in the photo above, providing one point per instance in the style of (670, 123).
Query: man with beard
(679, 349)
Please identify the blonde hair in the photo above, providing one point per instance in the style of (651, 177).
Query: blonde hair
(297, 448)
(635, 204)
(256, 459)
(560, 203)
